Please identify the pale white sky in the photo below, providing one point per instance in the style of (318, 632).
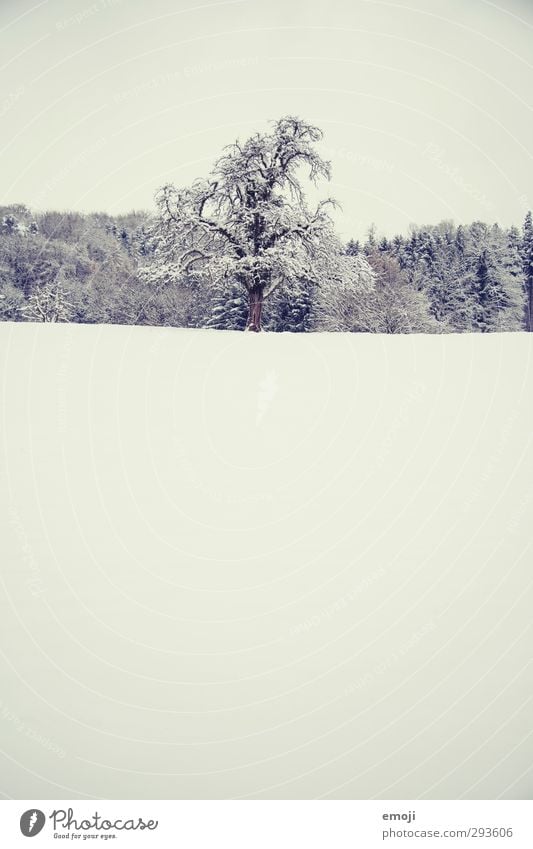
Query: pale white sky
(426, 105)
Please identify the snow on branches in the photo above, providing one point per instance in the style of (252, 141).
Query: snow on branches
(249, 222)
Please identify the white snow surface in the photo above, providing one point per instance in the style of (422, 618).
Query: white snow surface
(265, 566)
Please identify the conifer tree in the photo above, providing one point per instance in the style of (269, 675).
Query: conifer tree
(527, 259)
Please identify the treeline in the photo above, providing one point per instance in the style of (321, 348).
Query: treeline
(98, 268)
(467, 278)
(69, 266)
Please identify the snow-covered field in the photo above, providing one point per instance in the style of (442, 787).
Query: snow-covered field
(273, 566)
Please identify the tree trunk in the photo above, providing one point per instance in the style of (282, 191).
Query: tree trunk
(255, 305)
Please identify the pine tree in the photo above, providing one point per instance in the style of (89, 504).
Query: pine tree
(290, 311)
(229, 309)
(353, 248)
(460, 240)
(527, 260)
(398, 243)
(498, 292)
(371, 241)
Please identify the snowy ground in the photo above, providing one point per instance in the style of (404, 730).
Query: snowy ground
(265, 566)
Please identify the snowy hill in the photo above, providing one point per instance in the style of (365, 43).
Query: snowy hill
(267, 566)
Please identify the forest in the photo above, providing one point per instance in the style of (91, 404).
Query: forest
(241, 249)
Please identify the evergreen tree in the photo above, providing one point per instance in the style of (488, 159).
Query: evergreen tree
(527, 259)
(371, 240)
(228, 309)
(291, 310)
(353, 248)
(498, 293)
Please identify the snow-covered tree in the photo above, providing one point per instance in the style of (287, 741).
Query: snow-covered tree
(471, 275)
(344, 300)
(228, 309)
(291, 311)
(48, 303)
(353, 247)
(371, 240)
(527, 258)
(498, 292)
(11, 302)
(398, 303)
(11, 224)
(449, 288)
(16, 219)
(249, 222)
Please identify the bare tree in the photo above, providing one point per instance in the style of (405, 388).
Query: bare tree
(48, 303)
(345, 299)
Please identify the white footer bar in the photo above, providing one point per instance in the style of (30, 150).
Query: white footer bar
(268, 824)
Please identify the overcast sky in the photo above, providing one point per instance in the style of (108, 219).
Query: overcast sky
(425, 104)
